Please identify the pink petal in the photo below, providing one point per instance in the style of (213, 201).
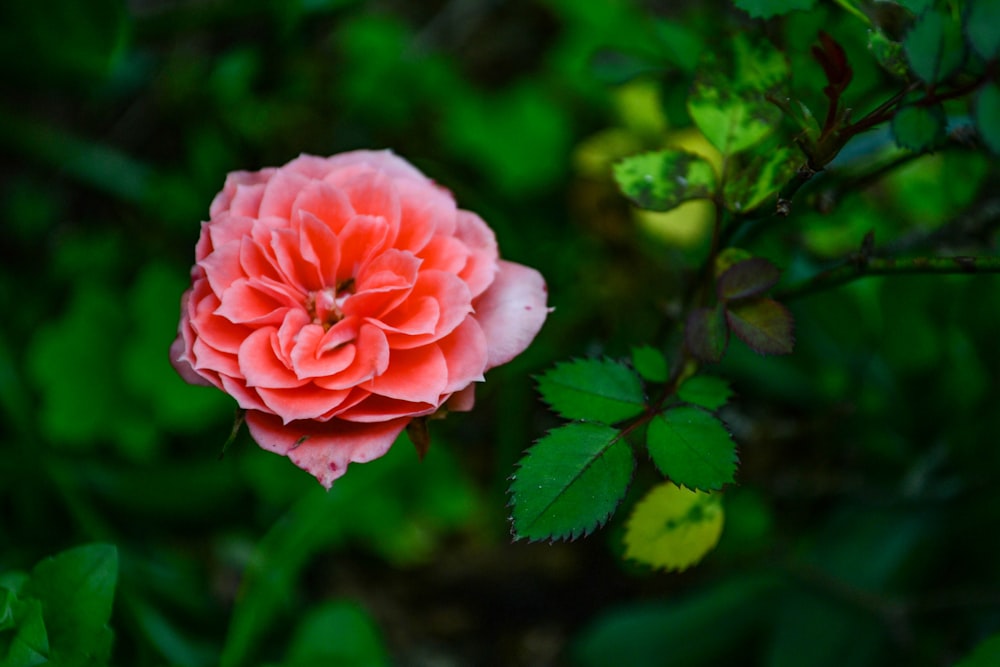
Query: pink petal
(408, 324)
(466, 353)
(324, 449)
(222, 266)
(225, 228)
(326, 203)
(380, 408)
(280, 193)
(426, 212)
(305, 402)
(251, 302)
(462, 401)
(385, 161)
(319, 247)
(419, 375)
(260, 365)
(361, 239)
(512, 311)
(481, 267)
(235, 179)
(371, 358)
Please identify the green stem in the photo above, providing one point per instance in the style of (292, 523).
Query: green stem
(856, 268)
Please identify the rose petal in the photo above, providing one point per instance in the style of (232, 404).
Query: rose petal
(324, 449)
(466, 353)
(235, 179)
(305, 402)
(260, 365)
(326, 203)
(481, 266)
(280, 193)
(462, 401)
(512, 311)
(371, 358)
(419, 375)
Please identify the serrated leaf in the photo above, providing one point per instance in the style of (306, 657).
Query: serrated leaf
(919, 128)
(981, 23)
(760, 180)
(706, 333)
(987, 113)
(692, 447)
(674, 528)
(650, 363)
(570, 482)
(765, 9)
(751, 277)
(663, 180)
(934, 46)
(708, 391)
(593, 389)
(76, 589)
(763, 324)
(986, 654)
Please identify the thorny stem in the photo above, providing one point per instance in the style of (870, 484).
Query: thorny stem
(860, 267)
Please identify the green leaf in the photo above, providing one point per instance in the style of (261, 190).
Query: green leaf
(748, 278)
(919, 128)
(673, 528)
(76, 589)
(729, 104)
(986, 654)
(594, 389)
(29, 645)
(732, 122)
(763, 324)
(987, 113)
(650, 363)
(888, 53)
(981, 23)
(570, 482)
(706, 333)
(692, 447)
(765, 9)
(663, 180)
(337, 633)
(762, 179)
(708, 391)
(934, 46)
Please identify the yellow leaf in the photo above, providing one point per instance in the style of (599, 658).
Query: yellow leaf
(673, 527)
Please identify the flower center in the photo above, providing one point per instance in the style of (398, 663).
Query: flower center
(324, 306)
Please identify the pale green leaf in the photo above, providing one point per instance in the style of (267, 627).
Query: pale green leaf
(673, 528)
(663, 180)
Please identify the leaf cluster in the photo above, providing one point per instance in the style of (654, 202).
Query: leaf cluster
(572, 480)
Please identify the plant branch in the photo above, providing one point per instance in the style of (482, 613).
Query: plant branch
(861, 267)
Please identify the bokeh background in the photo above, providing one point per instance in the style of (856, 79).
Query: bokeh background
(863, 530)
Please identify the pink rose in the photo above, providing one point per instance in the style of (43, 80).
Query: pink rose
(338, 298)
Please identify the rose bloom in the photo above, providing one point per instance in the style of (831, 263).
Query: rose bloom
(336, 299)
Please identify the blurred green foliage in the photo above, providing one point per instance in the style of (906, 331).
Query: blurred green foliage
(861, 531)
